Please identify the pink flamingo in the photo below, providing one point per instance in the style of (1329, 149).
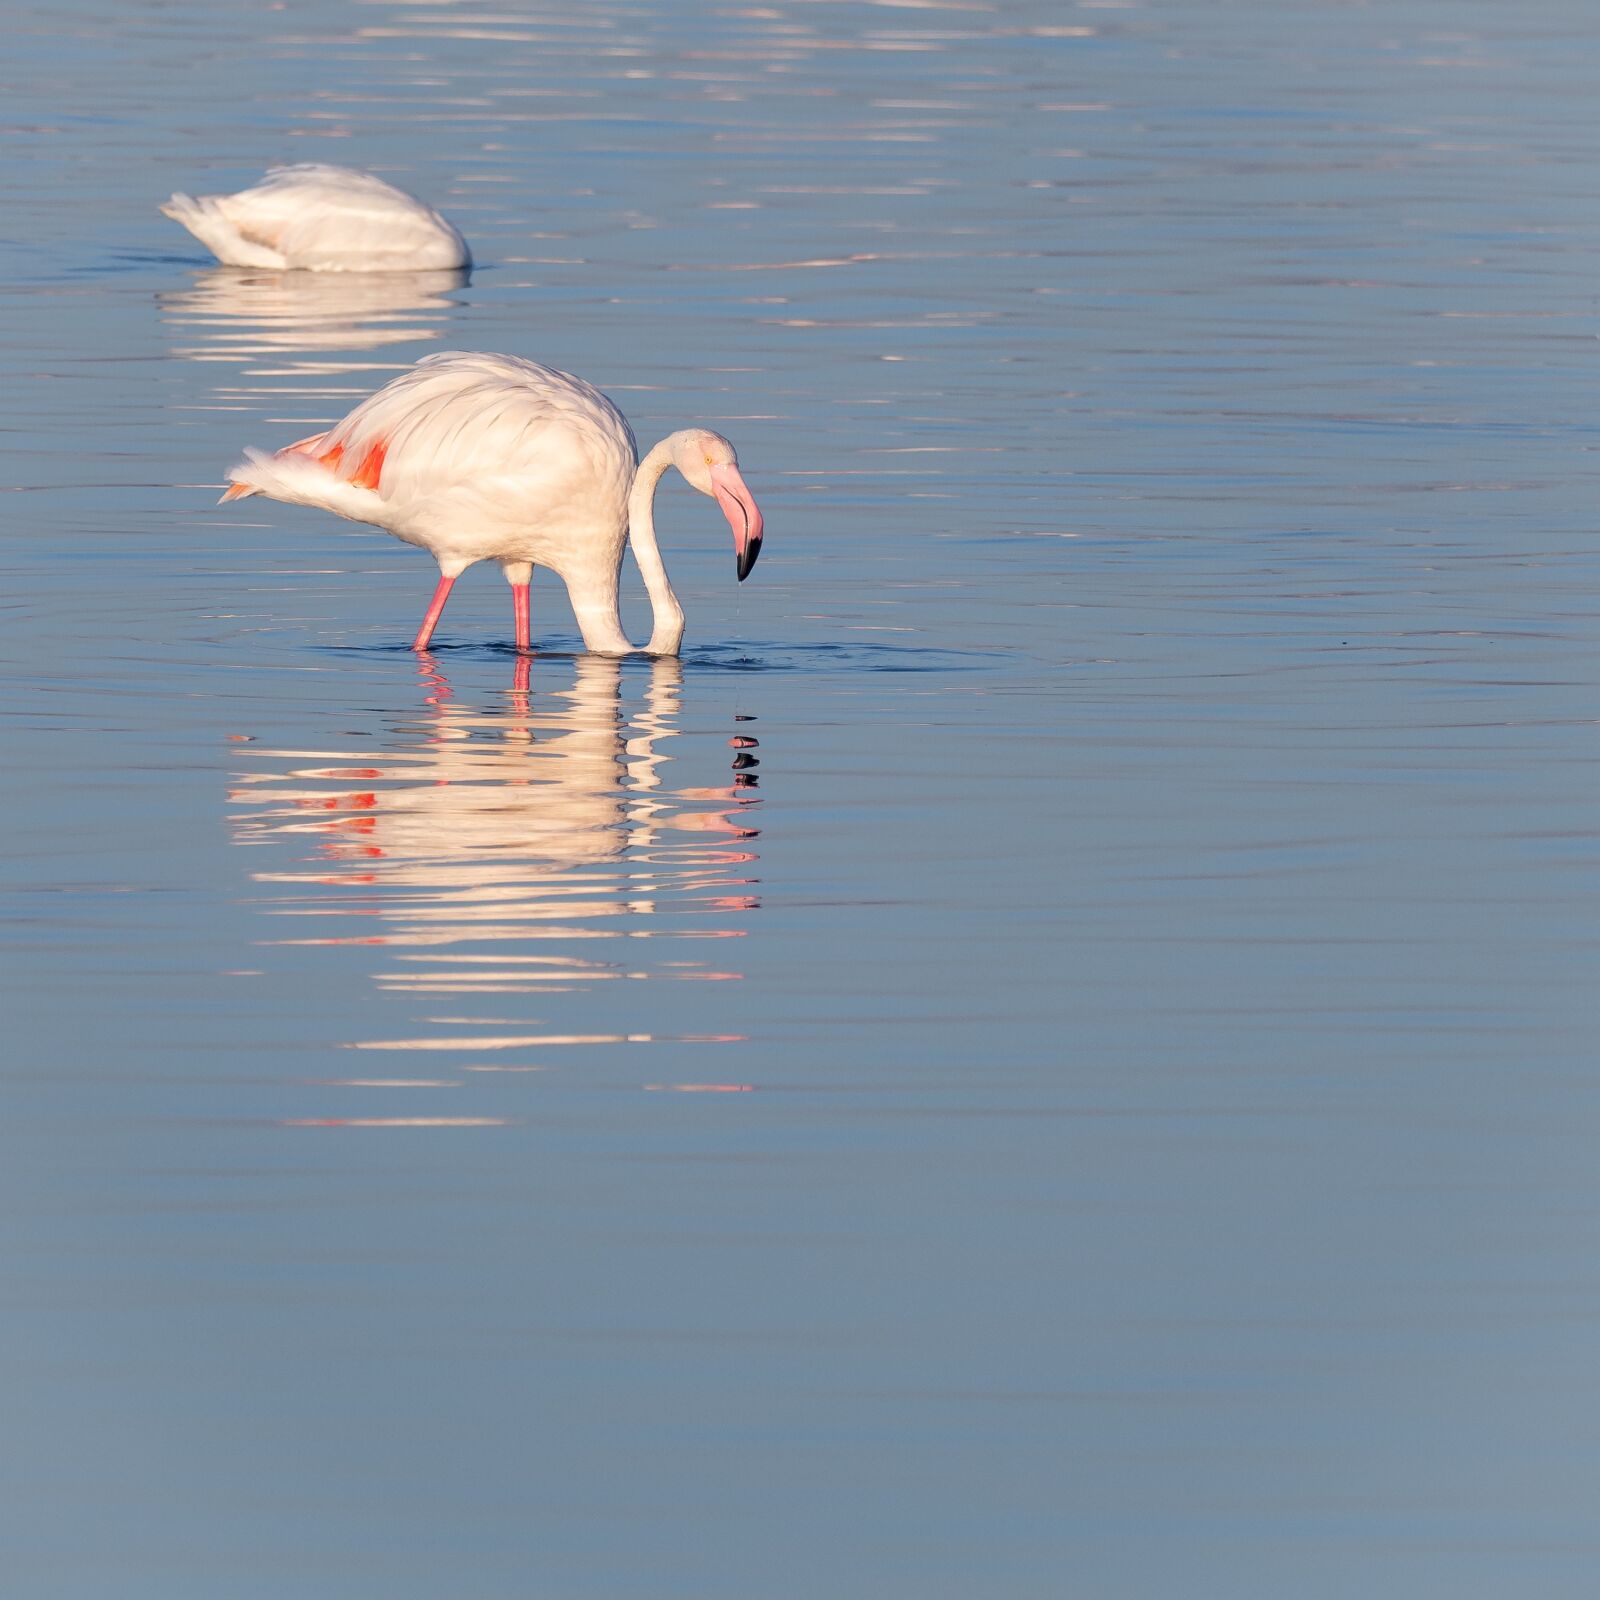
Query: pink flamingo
(492, 458)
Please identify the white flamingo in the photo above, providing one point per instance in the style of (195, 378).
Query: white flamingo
(492, 458)
(322, 219)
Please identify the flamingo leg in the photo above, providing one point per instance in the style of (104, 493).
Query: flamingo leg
(520, 607)
(435, 611)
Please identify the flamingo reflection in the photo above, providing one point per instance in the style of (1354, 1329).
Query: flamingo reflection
(230, 314)
(547, 820)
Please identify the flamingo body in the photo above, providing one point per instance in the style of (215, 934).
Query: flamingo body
(322, 219)
(477, 457)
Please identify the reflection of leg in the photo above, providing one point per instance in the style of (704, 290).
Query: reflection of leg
(433, 680)
(520, 675)
(435, 611)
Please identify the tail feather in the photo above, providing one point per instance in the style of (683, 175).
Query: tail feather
(300, 479)
(305, 446)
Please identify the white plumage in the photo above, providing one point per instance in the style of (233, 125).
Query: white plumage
(322, 219)
(493, 458)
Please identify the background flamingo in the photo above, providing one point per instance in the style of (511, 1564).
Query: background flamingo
(322, 219)
(492, 458)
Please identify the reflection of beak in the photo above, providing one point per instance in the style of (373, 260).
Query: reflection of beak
(743, 514)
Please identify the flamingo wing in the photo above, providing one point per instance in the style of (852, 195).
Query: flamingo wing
(507, 432)
(333, 218)
(458, 419)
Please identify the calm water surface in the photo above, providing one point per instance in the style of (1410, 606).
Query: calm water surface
(1052, 1054)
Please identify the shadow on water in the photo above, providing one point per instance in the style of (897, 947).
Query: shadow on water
(736, 655)
(748, 656)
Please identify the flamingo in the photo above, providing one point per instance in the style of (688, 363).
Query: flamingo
(481, 457)
(322, 219)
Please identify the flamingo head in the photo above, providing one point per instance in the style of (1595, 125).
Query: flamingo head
(711, 465)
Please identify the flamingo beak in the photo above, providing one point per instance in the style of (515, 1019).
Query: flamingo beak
(743, 514)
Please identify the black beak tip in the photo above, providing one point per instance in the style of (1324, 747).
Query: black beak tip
(747, 559)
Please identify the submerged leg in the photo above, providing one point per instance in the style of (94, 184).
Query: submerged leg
(435, 611)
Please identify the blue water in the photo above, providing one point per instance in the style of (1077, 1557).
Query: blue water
(1052, 1055)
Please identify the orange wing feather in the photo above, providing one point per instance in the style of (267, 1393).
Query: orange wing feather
(366, 475)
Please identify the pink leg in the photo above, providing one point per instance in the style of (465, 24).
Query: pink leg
(435, 611)
(519, 605)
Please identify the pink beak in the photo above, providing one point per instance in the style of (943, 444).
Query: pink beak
(743, 514)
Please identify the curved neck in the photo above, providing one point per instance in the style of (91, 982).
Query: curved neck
(666, 615)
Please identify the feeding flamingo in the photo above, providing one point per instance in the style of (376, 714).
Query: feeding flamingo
(322, 219)
(493, 458)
